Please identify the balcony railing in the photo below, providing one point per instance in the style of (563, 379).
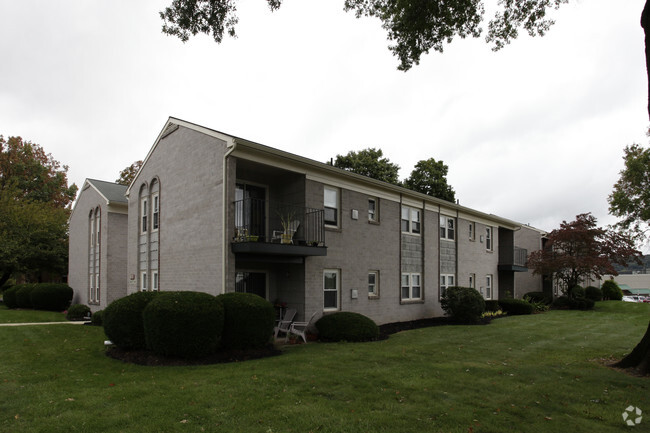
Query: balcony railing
(513, 259)
(266, 222)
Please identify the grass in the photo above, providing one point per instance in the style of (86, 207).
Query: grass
(541, 373)
(29, 316)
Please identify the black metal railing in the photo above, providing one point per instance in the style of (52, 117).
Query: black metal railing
(513, 256)
(261, 221)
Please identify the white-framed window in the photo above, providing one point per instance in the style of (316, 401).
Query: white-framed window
(143, 281)
(91, 288)
(488, 287)
(154, 281)
(411, 220)
(155, 211)
(446, 281)
(331, 206)
(373, 210)
(97, 288)
(411, 287)
(472, 231)
(472, 281)
(144, 211)
(488, 239)
(447, 227)
(331, 289)
(373, 284)
(98, 219)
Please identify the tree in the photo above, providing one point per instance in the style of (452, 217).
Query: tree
(34, 207)
(430, 177)
(579, 250)
(128, 174)
(630, 199)
(369, 162)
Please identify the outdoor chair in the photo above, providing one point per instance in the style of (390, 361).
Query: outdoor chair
(290, 230)
(283, 324)
(300, 328)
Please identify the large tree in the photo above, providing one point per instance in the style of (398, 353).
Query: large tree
(430, 177)
(369, 162)
(128, 174)
(34, 206)
(580, 250)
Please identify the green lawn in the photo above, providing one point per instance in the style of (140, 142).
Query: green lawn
(539, 373)
(29, 316)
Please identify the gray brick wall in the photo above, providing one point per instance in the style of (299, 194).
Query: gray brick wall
(474, 258)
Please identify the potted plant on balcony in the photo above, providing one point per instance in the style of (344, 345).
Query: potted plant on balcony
(290, 226)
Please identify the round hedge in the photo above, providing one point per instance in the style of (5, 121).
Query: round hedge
(24, 296)
(464, 304)
(538, 297)
(516, 307)
(183, 324)
(97, 319)
(248, 321)
(346, 326)
(577, 292)
(594, 293)
(9, 297)
(123, 322)
(611, 291)
(78, 312)
(581, 304)
(51, 296)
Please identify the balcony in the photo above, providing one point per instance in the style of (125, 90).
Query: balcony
(513, 259)
(277, 232)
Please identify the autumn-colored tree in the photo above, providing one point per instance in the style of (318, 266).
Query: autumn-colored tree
(369, 162)
(579, 250)
(34, 207)
(430, 177)
(128, 174)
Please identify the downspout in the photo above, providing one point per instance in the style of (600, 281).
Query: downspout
(224, 217)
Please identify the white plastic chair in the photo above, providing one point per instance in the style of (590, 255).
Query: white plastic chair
(284, 323)
(300, 328)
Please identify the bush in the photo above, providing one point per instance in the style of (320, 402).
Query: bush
(611, 291)
(581, 304)
(78, 312)
(561, 302)
(516, 307)
(492, 305)
(594, 293)
(537, 297)
(123, 322)
(577, 292)
(538, 306)
(346, 326)
(24, 295)
(51, 296)
(463, 303)
(9, 297)
(248, 321)
(183, 324)
(97, 319)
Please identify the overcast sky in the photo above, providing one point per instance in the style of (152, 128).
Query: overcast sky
(533, 133)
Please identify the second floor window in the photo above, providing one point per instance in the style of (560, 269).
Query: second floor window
(410, 220)
(331, 205)
(372, 210)
(144, 208)
(447, 228)
(488, 238)
(155, 212)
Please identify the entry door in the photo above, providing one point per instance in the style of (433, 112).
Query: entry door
(251, 282)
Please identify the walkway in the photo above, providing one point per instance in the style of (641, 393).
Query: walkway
(44, 323)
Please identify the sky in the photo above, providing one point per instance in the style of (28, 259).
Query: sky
(534, 133)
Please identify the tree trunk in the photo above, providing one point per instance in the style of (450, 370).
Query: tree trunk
(639, 358)
(645, 23)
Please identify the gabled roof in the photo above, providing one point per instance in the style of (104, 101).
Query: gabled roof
(112, 192)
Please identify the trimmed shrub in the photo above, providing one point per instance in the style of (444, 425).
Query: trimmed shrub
(78, 312)
(594, 293)
(492, 305)
(9, 297)
(516, 307)
(24, 295)
(611, 291)
(463, 303)
(561, 302)
(123, 322)
(183, 324)
(51, 296)
(581, 304)
(537, 297)
(248, 321)
(97, 319)
(577, 292)
(346, 326)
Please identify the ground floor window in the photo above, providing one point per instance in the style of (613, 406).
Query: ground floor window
(251, 282)
(472, 281)
(154, 281)
(373, 284)
(331, 289)
(411, 287)
(488, 287)
(446, 281)
(143, 281)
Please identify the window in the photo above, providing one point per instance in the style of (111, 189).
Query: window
(373, 284)
(411, 287)
(97, 227)
(472, 281)
(446, 281)
(410, 220)
(488, 238)
(447, 228)
(143, 281)
(331, 288)
(91, 289)
(155, 211)
(373, 215)
(472, 232)
(488, 287)
(96, 300)
(331, 205)
(154, 281)
(144, 211)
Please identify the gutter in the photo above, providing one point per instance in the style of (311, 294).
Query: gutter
(224, 215)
